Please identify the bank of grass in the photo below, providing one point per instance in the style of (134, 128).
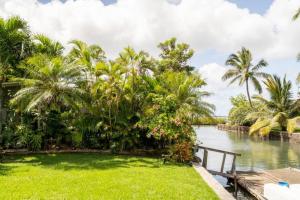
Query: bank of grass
(97, 176)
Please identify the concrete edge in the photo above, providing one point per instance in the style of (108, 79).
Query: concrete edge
(213, 183)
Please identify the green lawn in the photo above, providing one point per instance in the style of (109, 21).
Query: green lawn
(96, 176)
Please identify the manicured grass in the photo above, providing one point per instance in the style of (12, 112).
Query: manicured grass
(96, 176)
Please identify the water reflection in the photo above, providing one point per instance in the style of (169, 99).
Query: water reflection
(256, 153)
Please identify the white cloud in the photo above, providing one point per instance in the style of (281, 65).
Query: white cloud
(214, 24)
(221, 91)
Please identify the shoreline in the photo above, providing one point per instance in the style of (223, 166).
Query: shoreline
(293, 138)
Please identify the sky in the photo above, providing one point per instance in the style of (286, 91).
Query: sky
(213, 28)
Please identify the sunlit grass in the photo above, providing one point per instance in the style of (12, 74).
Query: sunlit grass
(96, 176)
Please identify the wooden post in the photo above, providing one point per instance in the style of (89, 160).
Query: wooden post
(233, 171)
(204, 163)
(223, 162)
(230, 174)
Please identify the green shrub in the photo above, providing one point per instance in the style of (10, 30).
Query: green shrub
(182, 152)
(30, 139)
(209, 121)
(77, 139)
(35, 143)
(8, 137)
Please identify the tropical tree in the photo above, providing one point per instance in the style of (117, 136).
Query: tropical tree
(44, 45)
(15, 45)
(175, 56)
(138, 65)
(281, 98)
(175, 101)
(281, 106)
(186, 88)
(242, 113)
(109, 91)
(50, 84)
(86, 55)
(244, 71)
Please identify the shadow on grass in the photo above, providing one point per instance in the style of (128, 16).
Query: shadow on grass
(78, 161)
(4, 170)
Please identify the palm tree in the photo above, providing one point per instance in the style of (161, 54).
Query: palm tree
(15, 45)
(108, 91)
(244, 71)
(51, 83)
(45, 45)
(138, 65)
(280, 95)
(281, 106)
(86, 55)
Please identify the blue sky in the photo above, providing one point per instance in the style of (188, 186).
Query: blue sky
(257, 6)
(213, 28)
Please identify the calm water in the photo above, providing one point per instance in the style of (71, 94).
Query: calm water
(256, 154)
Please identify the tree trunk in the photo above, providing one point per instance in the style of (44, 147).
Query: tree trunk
(39, 123)
(248, 93)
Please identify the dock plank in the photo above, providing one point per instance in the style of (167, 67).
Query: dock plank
(254, 182)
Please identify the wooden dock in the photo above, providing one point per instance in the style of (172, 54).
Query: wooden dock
(254, 182)
(251, 181)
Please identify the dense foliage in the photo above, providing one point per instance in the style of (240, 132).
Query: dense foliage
(281, 106)
(79, 98)
(241, 109)
(277, 113)
(209, 120)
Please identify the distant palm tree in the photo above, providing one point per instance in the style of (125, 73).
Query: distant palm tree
(45, 45)
(244, 71)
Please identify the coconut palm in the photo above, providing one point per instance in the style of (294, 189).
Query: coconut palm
(281, 106)
(281, 99)
(244, 71)
(15, 45)
(44, 45)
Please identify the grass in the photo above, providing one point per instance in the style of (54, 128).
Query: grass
(96, 176)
